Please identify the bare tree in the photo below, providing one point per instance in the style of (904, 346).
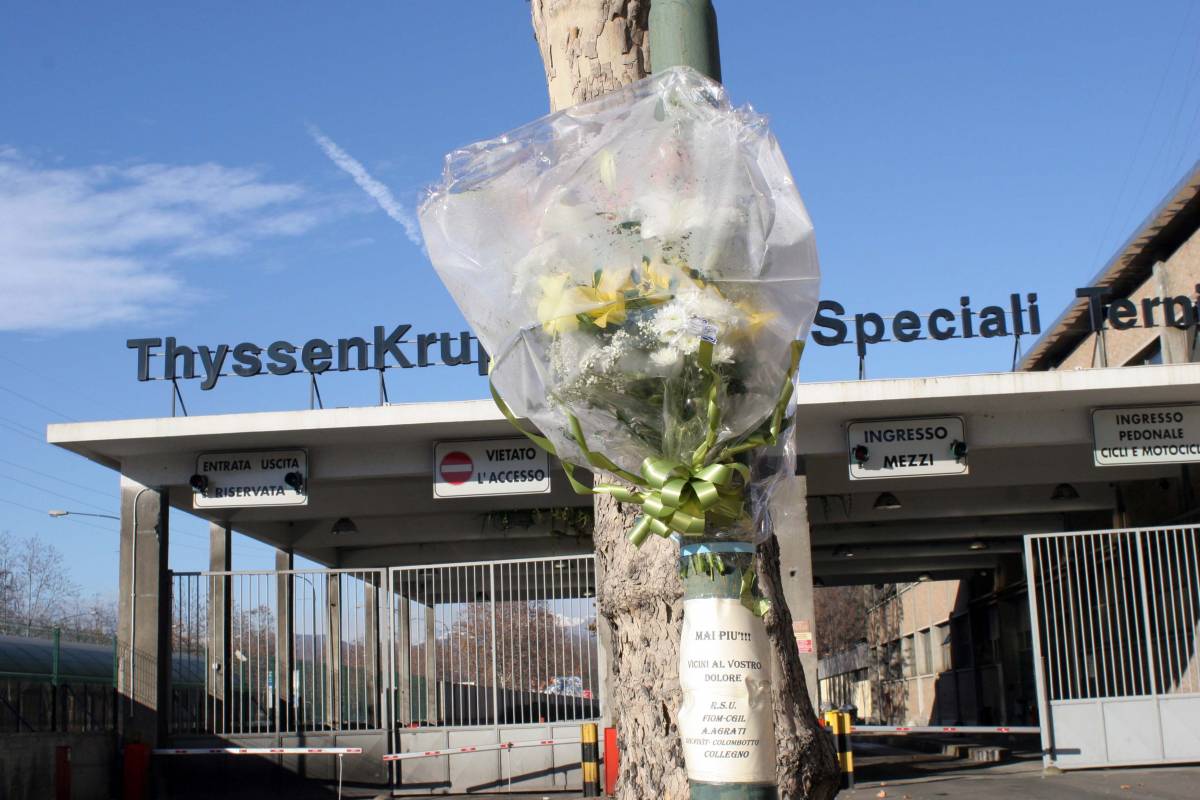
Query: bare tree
(96, 615)
(8, 583)
(841, 617)
(37, 589)
(535, 647)
(588, 48)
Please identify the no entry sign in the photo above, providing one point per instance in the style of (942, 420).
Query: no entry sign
(489, 467)
(456, 468)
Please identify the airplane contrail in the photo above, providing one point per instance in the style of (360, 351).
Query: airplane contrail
(380, 193)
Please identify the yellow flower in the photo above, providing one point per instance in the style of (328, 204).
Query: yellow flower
(606, 300)
(656, 278)
(755, 319)
(558, 305)
(604, 303)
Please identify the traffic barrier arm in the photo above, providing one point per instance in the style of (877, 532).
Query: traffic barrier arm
(479, 748)
(258, 751)
(869, 729)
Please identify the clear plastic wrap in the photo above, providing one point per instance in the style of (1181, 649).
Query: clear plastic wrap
(639, 267)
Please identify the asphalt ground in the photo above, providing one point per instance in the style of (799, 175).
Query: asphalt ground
(889, 773)
(892, 773)
(897, 772)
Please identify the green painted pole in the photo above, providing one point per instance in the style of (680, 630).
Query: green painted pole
(717, 729)
(54, 678)
(684, 33)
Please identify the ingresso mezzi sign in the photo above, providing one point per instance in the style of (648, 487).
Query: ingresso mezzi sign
(1146, 435)
(905, 448)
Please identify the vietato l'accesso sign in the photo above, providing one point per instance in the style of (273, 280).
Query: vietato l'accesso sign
(489, 467)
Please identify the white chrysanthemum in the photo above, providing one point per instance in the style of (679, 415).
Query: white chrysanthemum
(665, 357)
(670, 321)
(707, 303)
(723, 354)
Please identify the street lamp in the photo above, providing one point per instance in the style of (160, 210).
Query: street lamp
(60, 513)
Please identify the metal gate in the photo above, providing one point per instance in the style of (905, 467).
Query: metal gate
(489, 652)
(1115, 618)
(407, 659)
(276, 653)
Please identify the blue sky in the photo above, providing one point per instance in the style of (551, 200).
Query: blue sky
(159, 176)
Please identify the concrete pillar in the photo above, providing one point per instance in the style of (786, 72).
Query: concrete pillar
(220, 676)
(333, 650)
(285, 659)
(371, 622)
(608, 714)
(431, 693)
(402, 653)
(1175, 343)
(789, 512)
(144, 614)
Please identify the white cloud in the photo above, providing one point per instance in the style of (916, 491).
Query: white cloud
(88, 246)
(380, 193)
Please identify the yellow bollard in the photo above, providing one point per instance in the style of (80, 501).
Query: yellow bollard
(838, 723)
(590, 759)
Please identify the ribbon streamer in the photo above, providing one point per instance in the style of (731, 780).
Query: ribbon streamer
(674, 496)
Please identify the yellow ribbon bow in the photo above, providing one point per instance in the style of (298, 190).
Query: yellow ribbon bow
(679, 499)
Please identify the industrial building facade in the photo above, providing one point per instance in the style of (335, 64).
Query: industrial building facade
(963, 652)
(442, 619)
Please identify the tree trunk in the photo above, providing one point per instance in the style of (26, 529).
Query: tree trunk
(590, 47)
(640, 597)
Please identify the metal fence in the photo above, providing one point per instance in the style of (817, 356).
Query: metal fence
(473, 644)
(495, 643)
(255, 670)
(1119, 612)
(55, 679)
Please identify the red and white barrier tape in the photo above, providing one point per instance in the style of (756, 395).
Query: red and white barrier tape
(943, 729)
(258, 751)
(479, 748)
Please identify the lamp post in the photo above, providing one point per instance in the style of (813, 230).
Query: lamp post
(56, 512)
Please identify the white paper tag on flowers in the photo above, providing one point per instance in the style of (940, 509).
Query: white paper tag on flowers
(726, 721)
(703, 328)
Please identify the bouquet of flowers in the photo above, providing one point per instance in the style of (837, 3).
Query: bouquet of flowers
(641, 269)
